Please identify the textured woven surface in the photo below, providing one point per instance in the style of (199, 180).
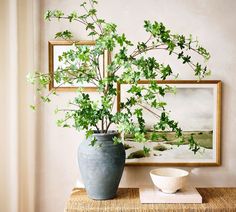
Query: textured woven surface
(214, 199)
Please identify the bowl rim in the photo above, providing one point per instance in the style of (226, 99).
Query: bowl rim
(185, 173)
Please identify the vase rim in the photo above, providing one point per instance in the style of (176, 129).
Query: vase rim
(109, 133)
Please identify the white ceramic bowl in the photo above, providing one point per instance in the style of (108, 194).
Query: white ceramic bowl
(169, 180)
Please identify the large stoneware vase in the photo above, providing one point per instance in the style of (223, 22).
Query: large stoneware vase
(101, 166)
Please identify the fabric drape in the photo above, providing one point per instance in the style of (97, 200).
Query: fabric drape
(18, 55)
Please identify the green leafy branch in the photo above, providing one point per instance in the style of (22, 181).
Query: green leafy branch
(130, 64)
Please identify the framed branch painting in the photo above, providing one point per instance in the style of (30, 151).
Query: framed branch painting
(196, 106)
(61, 59)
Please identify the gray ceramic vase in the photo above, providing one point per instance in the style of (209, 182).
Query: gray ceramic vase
(101, 167)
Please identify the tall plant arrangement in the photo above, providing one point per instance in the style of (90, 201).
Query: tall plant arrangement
(130, 64)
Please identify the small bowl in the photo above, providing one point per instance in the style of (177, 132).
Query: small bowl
(169, 180)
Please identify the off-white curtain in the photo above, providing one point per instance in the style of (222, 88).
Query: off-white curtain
(18, 55)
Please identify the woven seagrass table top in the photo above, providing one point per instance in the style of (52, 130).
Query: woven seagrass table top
(214, 199)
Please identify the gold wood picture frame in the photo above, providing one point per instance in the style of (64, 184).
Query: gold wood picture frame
(196, 106)
(56, 48)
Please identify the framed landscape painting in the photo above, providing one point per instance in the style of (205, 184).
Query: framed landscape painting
(56, 49)
(196, 106)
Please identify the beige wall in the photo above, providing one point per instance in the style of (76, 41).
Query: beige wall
(213, 21)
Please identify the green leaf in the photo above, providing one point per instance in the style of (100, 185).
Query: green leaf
(180, 141)
(33, 107)
(60, 122)
(193, 145)
(31, 78)
(66, 126)
(101, 21)
(92, 33)
(181, 41)
(93, 142)
(117, 140)
(90, 26)
(48, 15)
(73, 16)
(64, 35)
(139, 137)
(94, 1)
(89, 133)
(45, 99)
(204, 53)
(58, 14)
(165, 71)
(92, 12)
(154, 136)
(138, 112)
(146, 151)
(186, 59)
(83, 4)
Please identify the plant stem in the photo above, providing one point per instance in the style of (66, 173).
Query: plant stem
(97, 129)
(146, 108)
(96, 19)
(102, 125)
(108, 126)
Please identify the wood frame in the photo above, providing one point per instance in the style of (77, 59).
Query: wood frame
(218, 121)
(51, 44)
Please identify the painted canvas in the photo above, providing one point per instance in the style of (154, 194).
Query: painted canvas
(196, 108)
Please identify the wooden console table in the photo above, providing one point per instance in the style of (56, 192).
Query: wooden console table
(214, 199)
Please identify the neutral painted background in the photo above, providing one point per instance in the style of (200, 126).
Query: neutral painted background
(212, 21)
